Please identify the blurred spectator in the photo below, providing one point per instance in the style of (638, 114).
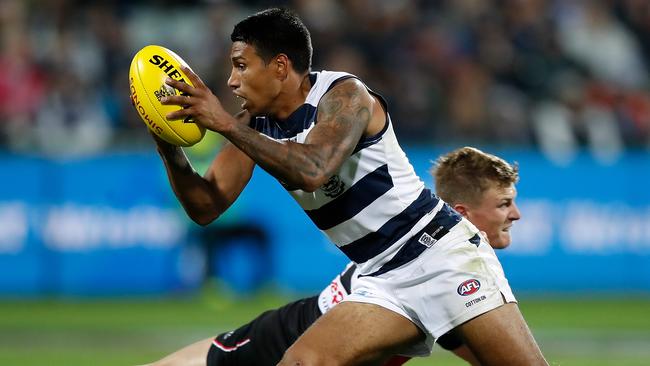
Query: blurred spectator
(590, 34)
(558, 75)
(22, 81)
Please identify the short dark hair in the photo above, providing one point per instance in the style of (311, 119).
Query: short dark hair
(274, 31)
(463, 175)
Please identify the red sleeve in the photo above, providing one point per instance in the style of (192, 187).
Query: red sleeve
(397, 361)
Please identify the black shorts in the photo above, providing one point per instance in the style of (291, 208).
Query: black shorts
(264, 340)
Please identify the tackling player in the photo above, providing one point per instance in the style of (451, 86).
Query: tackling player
(479, 185)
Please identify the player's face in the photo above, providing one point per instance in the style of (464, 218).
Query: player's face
(252, 80)
(495, 214)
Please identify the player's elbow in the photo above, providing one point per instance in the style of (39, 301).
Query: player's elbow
(312, 183)
(309, 187)
(202, 220)
(203, 217)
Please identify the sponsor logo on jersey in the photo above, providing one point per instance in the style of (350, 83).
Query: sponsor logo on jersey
(427, 240)
(468, 287)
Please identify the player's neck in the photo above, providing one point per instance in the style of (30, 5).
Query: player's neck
(293, 94)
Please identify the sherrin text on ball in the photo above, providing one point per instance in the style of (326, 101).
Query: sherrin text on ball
(149, 69)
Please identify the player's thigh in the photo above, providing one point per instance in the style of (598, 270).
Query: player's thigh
(193, 355)
(353, 333)
(501, 337)
(466, 354)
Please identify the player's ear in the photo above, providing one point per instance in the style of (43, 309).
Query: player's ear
(461, 208)
(282, 66)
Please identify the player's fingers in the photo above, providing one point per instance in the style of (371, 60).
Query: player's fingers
(194, 78)
(183, 87)
(182, 100)
(179, 114)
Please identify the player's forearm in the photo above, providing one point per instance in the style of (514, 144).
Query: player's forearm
(192, 190)
(296, 165)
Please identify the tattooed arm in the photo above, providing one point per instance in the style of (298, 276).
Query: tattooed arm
(344, 116)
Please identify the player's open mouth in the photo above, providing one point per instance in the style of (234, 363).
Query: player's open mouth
(242, 99)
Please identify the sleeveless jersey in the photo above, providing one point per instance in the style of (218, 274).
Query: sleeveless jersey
(375, 201)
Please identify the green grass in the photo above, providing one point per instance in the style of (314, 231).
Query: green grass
(126, 331)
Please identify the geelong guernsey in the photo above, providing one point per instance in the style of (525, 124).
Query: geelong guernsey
(375, 202)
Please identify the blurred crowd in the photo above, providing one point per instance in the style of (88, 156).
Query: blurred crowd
(550, 74)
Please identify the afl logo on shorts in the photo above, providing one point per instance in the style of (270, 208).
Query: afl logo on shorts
(468, 287)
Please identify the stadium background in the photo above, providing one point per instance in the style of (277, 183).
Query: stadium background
(99, 265)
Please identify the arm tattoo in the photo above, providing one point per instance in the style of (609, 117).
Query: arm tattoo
(343, 115)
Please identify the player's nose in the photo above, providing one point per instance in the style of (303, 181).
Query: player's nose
(515, 214)
(233, 80)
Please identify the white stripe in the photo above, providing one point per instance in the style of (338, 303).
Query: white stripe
(381, 259)
(230, 349)
(373, 217)
(323, 81)
(355, 168)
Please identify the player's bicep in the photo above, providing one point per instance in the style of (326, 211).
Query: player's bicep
(343, 116)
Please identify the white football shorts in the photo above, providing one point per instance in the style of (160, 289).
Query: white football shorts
(448, 284)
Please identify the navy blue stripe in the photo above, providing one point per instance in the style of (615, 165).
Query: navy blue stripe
(394, 229)
(297, 122)
(476, 240)
(366, 143)
(442, 222)
(346, 279)
(351, 202)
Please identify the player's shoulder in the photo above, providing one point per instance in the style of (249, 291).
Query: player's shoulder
(349, 84)
(323, 81)
(328, 79)
(333, 82)
(325, 76)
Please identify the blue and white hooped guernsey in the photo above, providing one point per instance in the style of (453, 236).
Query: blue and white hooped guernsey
(375, 203)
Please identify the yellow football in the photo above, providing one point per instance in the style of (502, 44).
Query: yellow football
(149, 69)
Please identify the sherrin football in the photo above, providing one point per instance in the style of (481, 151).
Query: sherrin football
(149, 69)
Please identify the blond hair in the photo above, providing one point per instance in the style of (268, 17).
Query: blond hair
(463, 175)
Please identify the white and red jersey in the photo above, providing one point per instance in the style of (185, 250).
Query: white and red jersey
(338, 289)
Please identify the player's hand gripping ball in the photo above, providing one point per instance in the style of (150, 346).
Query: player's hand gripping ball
(149, 69)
